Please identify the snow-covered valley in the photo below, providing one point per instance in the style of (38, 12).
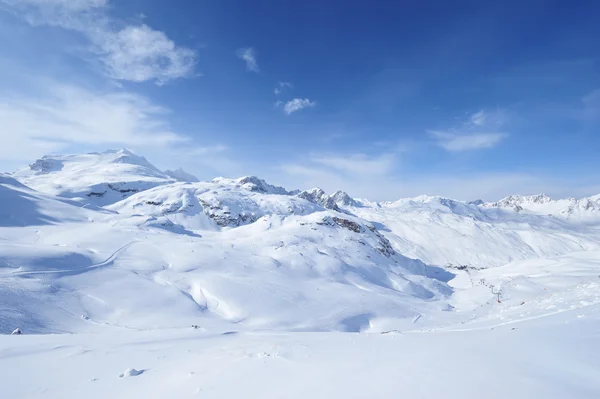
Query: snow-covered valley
(235, 287)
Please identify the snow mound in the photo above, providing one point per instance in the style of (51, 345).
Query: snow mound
(131, 373)
(170, 205)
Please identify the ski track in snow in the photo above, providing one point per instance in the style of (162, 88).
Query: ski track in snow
(108, 261)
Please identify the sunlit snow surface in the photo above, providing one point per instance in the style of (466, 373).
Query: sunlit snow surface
(128, 283)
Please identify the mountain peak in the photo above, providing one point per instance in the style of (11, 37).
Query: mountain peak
(123, 151)
(253, 183)
(319, 197)
(343, 199)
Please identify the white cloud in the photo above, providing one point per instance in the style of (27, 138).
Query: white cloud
(481, 130)
(248, 55)
(140, 53)
(281, 87)
(63, 115)
(135, 53)
(297, 104)
(452, 141)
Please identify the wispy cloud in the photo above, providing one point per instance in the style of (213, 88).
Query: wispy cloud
(479, 118)
(248, 55)
(359, 174)
(135, 53)
(452, 141)
(281, 87)
(296, 105)
(62, 115)
(357, 163)
(481, 130)
(385, 182)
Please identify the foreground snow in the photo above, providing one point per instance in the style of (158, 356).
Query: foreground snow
(552, 357)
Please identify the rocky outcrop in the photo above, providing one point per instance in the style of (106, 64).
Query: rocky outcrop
(318, 196)
(225, 218)
(46, 165)
(384, 246)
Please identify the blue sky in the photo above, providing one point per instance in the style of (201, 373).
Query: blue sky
(381, 99)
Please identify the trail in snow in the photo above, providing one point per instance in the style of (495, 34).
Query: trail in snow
(65, 272)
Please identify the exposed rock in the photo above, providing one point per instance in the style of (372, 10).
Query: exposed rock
(225, 218)
(385, 246)
(46, 165)
(355, 227)
(116, 187)
(96, 194)
(476, 202)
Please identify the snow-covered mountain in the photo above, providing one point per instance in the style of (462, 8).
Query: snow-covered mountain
(201, 249)
(212, 253)
(164, 269)
(439, 231)
(442, 231)
(98, 178)
(544, 205)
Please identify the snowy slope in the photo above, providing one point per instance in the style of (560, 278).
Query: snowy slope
(22, 206)
(213, 254)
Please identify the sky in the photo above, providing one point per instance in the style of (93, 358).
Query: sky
(381, 99)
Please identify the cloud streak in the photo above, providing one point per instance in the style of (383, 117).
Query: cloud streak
(357, 163)
(455, 142)
(136, 53)
(248, 55)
